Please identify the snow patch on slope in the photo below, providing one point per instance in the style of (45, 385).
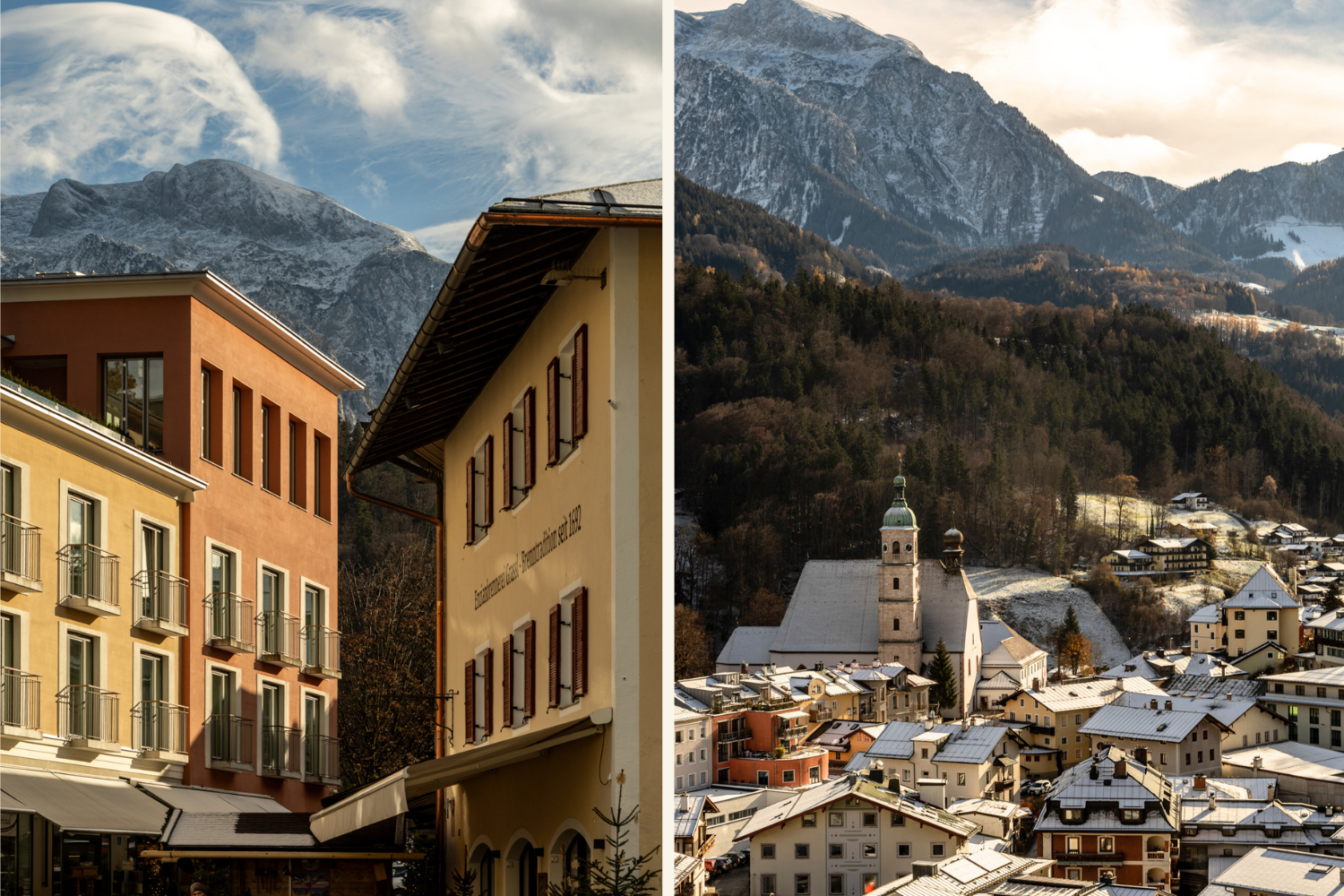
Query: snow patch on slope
(1315, 242)
(1034, 603)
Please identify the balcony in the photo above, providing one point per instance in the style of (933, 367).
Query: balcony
(1073, 858)
(160, 603)
(228, 743)
(159, 731)
(89, 578)
(868, 715)
(88, 718)
(281, 752)
(279, 638)
(321, 759)
(20, 554)
(791, 732)
(229, 622)
(820, 715)
(1155, 856)
(321, 651)
(21, 704)
(733, 735)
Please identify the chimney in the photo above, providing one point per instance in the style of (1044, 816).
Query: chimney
(1141, 755)
(1120, 769)
(685, 802)
(876, 774)
(933, 792)
(965, 723)
(1153, 704)
(1200, 781)
(923, 869)
(1185, 651)
(1213, 802)
(745, 670)
(928, 724)
(820, 665)
(1258, 763)
(1168, 706)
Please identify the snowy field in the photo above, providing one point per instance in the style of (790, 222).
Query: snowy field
(1211, 320)
(1314, 243)
(1034, 604)
(1138, 511)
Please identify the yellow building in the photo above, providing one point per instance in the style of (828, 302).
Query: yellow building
(93, 612)
(1262, 616)
(532, 396)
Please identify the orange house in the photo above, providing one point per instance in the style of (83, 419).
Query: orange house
(189, 369)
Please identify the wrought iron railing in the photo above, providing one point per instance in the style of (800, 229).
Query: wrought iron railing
(21, 699)
(160, 598)
(734, 734)
(159, 726)
(321, 757)
(20, 548)
(88, 573)
(321, 649)
(229, 739)
(85, 712)
(787, 732)
(228, 622)
(278, 635)
(281, 751)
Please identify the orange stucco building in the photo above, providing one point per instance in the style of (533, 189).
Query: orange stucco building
(187, 368)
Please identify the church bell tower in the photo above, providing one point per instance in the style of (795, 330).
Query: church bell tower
(900, 636)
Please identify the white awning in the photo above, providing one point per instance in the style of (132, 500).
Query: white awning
(391, 796)
(794, 714)
(84, 802)
(204, 799)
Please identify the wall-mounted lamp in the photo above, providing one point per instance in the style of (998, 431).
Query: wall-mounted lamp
(565, 276)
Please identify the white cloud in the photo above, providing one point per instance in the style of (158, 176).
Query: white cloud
(1306, 153)
(354, 58)
(1132, 152)
(106, 83)
(444, 240)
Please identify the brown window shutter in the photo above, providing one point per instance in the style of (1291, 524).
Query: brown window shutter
(506, 463)
(579, 392)
(554, 695)
(530, 669)
(489, 490)
(506, 673)
(579, 652)
(529, 438)
(553, 412)
(469, 703)
(488, 660)
(471, 500)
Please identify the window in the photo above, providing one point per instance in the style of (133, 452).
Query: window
(833, 850)
(961, 778)
(1239, 615)
(897, 820)
(478, 701)
(1273, 616)
(1314, 715)
(133, 400)
(895, 584)
(225, 725)
(767, 850)
(938, 850)
(869, 850)
(835, 819)
(837, 885)
(1074, 873)
(1273, 635)
(298, 463)
(321, 474)
(314, 633)
(1239, 633)
(1187, 758)
(1107, 844)
(237, 431)
(802, 884)
(480, 490)
(679, 783)
(520, 677)
(1073, 814)
(809, 819)
(519, 464)
(207, 413)
(274, 742)
(903, 850)
(763, 778)
(567, 398)
(787, 776)
(1314, 735)
(767, 884)
(1131, 815)
(814, 774)
(273, 621)
(895, 625)
(1073, 844)
(569, 649)
(870, 819)
(269, 445)
(800, 850)
(314, 731)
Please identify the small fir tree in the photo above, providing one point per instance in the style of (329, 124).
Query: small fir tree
(944, 691)
(621, 873)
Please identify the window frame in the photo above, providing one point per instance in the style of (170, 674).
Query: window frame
(123, 427)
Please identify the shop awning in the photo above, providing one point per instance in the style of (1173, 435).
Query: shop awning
(84, 802)
(202, 799)
(794, 714)
(391, 796)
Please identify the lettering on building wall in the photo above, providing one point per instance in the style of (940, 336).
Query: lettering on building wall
(550, 539)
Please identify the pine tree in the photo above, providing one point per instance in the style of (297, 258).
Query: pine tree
(1068, 495)
(620, 874)
(944, 691)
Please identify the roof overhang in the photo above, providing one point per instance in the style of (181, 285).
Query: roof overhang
(172, 855)
(213, 291)
(391, 796)
(493, 292)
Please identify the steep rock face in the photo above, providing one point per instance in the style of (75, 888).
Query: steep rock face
(1149, 192)
(773, 94)
(355, 288)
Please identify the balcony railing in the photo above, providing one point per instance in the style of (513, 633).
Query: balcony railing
(868, 715)
(788, 732)
(820, 715)
(21, 700)
(281, 752)
(159, 727)
(20, 548)
(228, 740)
(1065, 856)
(160, 602)
(731, 735)
(88, 716)
(321, 759)
(89, 578)
(279, 634)
(228, 622)
(321, 651)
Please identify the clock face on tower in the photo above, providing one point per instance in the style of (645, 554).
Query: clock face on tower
(909, 547)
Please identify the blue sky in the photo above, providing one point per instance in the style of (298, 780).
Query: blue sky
(418, 113)
(1183, 90)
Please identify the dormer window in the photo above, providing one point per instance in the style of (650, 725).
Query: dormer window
(1131, 815)
(1073, 814)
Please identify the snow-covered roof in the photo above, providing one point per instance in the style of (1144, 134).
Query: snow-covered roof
(964, 874)
(1140, 786)
(1288, 758)
(1224, 710)
(687, 810)
(833, 610)
(1287, 872)
(749, 644)
(1223, 788)
(995, 808)
(1208, 686)
(976, 745)
(1207, 613)
(1331, 620)
(1329, 676)
(1136, 723)
(1001, 681)
(858, 786)
(1186, 495)
(1071, 696)
(1262, 591)
(1131, 554)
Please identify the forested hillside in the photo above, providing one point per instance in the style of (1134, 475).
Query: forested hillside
(796, 401)
(1319, 287)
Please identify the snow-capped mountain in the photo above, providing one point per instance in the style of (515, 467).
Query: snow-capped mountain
(355, 288)
(1148, 192)
(850, 133)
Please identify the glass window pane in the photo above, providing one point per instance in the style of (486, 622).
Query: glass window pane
(113, 410)
(154, 404)
(135, 401)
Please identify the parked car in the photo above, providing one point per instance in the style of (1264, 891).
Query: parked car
(1038, 788)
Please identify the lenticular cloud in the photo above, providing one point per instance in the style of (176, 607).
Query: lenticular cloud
(88, 85)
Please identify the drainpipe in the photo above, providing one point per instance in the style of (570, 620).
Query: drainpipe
(440, 832)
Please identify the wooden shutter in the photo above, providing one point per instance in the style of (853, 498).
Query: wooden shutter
(506, 463)
(579, 392)
(553, 412)
(529, 438)
(554, 695)
(530, 669)
(469, 703)
(579, 652)
(471, 500)
(488, 661)
(506, 673)
(489, 491)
